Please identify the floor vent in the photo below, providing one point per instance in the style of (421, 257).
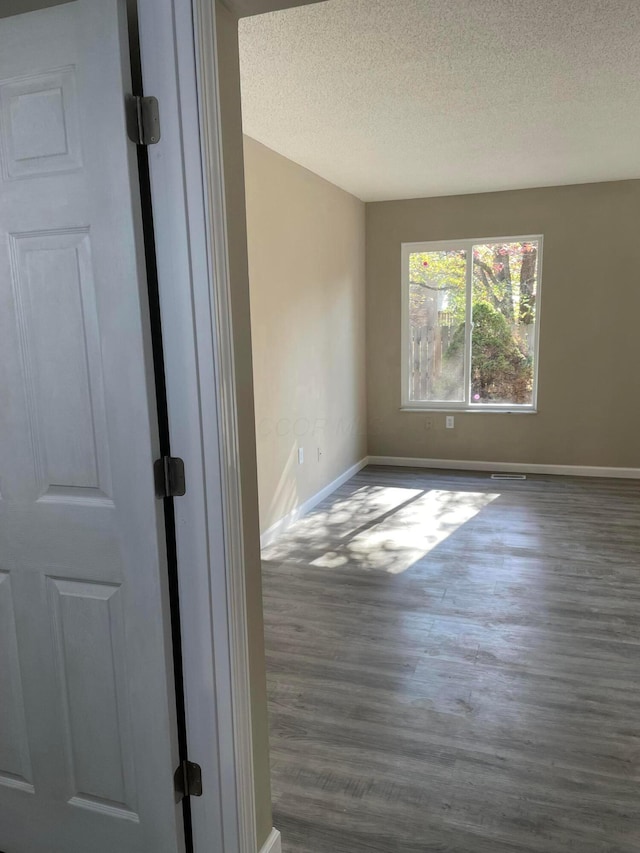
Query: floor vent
(508, 476)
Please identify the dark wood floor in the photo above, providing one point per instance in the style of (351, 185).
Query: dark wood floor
(454, 666)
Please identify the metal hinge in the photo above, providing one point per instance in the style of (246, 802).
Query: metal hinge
(187, 780)
(143, 119)
(168, 473)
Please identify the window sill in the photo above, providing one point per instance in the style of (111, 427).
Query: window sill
(452, 410)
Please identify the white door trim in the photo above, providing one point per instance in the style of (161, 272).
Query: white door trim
(216, 219)
(179, 67)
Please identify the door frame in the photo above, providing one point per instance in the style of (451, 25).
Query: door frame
(180, 67)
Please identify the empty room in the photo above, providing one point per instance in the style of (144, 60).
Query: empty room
(319, 418)
(443, 210)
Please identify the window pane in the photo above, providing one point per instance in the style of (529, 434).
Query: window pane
(437, 305)
(504, 320)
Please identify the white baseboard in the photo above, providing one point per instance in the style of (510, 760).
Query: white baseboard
(506, 467)
(291, 517)
(273, 844)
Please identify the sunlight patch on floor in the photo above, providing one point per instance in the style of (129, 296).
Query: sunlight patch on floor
(362, 506)
(408, 534)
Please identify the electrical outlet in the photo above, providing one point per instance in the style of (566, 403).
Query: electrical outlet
(300, 455)
(450, 423)
(319, 454)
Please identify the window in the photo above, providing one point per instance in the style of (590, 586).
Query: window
(470, 321)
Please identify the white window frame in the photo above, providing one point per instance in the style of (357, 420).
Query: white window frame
(465, 405)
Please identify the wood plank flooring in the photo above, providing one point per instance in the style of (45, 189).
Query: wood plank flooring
(454, 666)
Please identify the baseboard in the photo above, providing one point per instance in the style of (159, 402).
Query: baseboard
(291, 517)
(273, 844)
(506, 467)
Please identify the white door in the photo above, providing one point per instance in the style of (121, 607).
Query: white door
(87, 708)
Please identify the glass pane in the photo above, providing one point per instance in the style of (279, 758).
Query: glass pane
(437, 305)
(505, 278)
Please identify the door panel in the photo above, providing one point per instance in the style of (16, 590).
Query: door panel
(15, 768)
(90, 659)
(87, 711)
(54, 290)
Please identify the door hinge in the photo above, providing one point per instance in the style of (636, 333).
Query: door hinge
(143, 119)
(187, 780)
(168, 473)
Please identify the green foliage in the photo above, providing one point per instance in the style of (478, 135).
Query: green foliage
(437, 276)
(504, 309)
(500, 370)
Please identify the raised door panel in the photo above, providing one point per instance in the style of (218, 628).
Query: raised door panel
(15, 765)
(89, 647)
(62, 366)
(40, 117)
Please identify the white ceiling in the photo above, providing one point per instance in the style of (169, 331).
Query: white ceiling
(407, 98)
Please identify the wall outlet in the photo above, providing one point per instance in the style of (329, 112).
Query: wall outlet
(450, 422)
(300, 455)
(319, 454)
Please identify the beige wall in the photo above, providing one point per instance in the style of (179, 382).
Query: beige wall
(589, 392)
(227, 42)
(306, 272)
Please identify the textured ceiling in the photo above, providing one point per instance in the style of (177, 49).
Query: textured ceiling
(407, 98)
